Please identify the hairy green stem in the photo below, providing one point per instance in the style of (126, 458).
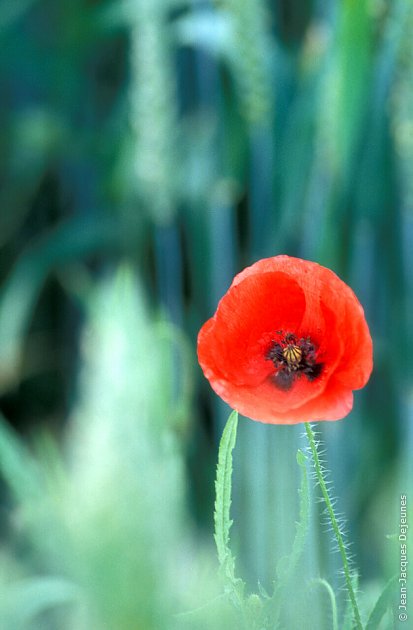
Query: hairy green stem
(334, 523)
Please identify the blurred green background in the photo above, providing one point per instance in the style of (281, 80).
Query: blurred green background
(150, 151)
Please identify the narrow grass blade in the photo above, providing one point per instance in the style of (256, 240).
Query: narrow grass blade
(383, 603)
(288, 564)
(328, 588)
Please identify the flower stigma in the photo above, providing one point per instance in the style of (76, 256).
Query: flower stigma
(293, 357)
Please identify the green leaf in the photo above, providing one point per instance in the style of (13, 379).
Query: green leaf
(223, 485)
(383, 603)
(262, 591)
(234, 586)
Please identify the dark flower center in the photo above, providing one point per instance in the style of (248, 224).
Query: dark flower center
(293, 357)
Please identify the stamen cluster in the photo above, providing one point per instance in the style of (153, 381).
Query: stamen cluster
(293, 357)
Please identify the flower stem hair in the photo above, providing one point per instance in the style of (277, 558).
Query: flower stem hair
(334, 523)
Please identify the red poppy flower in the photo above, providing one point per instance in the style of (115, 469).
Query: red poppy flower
(288, 343)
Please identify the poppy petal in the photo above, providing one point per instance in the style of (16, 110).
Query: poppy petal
(258, 404)
(234, 341)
